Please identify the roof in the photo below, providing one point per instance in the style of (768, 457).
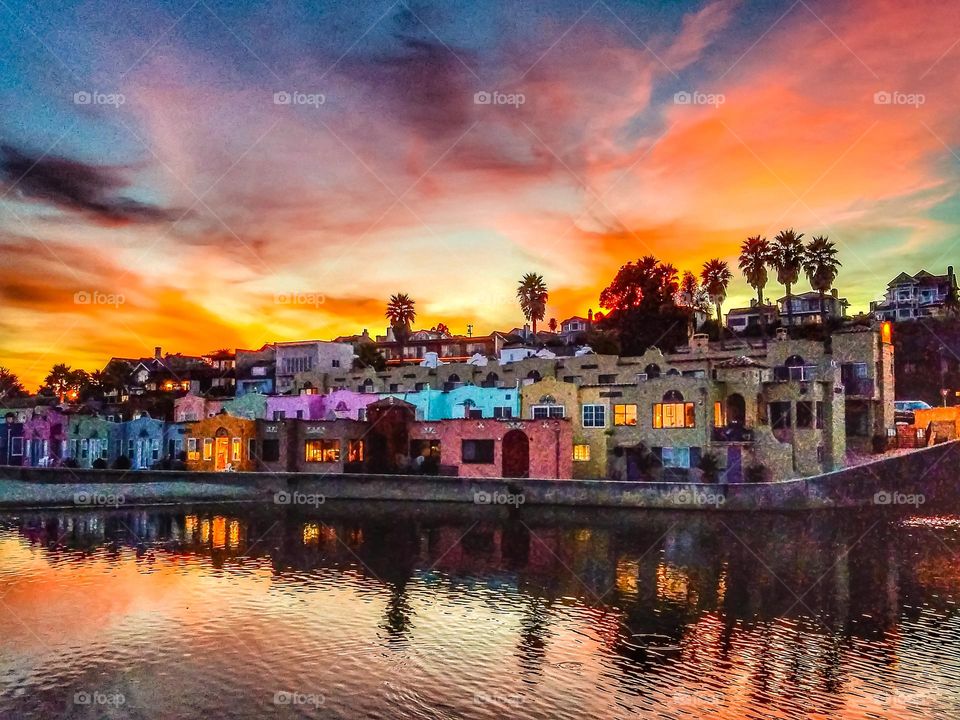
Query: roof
(922, 277)
(740, 361)
(752, 310)
(575, 317)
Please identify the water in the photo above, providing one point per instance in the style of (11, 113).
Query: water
(424, 611)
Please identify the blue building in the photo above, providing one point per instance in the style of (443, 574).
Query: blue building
(142, 441)
(466, 401)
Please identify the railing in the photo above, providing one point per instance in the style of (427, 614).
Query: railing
(859, 386)
(803, 373)
(732, 433)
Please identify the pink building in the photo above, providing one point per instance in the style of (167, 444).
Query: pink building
(498, 448)
(193, 408)
(347, 405)
(299, 407)
(44, 434)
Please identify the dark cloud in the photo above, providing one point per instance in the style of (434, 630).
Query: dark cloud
(76, 186)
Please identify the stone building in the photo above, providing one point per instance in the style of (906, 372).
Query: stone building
(91, 438)
(309, 356)
(221, 442)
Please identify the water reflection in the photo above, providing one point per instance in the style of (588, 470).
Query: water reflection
(463, 612)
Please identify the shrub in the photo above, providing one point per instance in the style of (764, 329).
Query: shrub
(710, 466)
(756, 473)
(71, 463)
(122, 463)
(99, 464)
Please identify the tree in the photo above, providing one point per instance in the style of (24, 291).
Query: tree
(116, 376)
(552, 325)
(642, 306)
(821, 267)
(715, 277)
(401, 312)
(755, 256)
(788, 253)
(369, 357)
(64, 382)
(10, 385)
(951, 303)
(532, 293)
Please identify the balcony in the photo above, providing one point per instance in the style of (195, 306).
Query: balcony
(732, 433)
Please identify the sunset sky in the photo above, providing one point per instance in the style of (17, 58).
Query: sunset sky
(147, 167)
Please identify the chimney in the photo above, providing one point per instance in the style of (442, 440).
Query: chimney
(950, 273)
(590, 318)
(365, 334)
(753, 302)
(835, 293)
(156, 352)
(526, 330)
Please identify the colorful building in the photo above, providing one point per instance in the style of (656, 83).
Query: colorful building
(464, 401)
(11, 440)
(44, 435)
(142, 441)
(222, 442)
(91, 438)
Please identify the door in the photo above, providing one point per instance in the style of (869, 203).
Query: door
(221, 453)
(734, 472)
(516, 455)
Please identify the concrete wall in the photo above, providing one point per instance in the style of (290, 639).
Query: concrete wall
(888, 483)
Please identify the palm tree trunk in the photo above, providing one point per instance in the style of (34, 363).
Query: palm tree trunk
(789, 287)
(534, 328)
(720, 324)
(823, 309)
(763, 315)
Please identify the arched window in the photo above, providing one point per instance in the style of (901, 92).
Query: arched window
(673, 396)
(794, 361)
(673, 412)
(652, 370)
(673, 372)
(534, 375)
(454, 378)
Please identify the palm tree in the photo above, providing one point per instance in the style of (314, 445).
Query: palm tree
(821, 267)
(532, 292)
(552, 325)
(401, 313)
(715, 278)
(755, 256)
(788, 253)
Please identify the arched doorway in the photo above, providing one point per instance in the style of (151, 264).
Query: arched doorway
(736, 410)
(516, 455)
(534, 376)
(221, 448)
(652, 371)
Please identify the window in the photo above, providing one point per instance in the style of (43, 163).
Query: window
(719, 420)
(394, 387)
(16, 446)
(325, 451)
(594, 416)
(84, 448)
(335, 363)
(252, 448)
(607, 379)
(355, 451)
(544, 412)
(503, 411)
(819, 419)
(299, 414)
(780, 416)
(362, 414)
(581, 453)
(804, 414)
(624, 414)
(674, 415)
(208, 448)
(419, 387)
(279, 414)
(155, 449)
(236, 453)
(270, 450)
(192, 453)
(129, 448)
(675, 457)
(477, 451)
(474, 413)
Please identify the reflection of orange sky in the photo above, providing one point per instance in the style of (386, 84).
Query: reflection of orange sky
(797, 142)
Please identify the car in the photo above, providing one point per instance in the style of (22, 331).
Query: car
(904, 410)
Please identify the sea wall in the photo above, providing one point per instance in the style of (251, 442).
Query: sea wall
(929, 477)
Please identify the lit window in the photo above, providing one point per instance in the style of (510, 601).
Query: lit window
(355, 451)
(594, 416)
(624, 414)
(581, 453)
(718, 419)
(674, 415)
(323, 451)
(208, 448)
(236, 448)
(192, 453)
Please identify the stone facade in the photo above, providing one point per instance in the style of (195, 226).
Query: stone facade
(221, 442)
(90, 437)
(314, 356)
